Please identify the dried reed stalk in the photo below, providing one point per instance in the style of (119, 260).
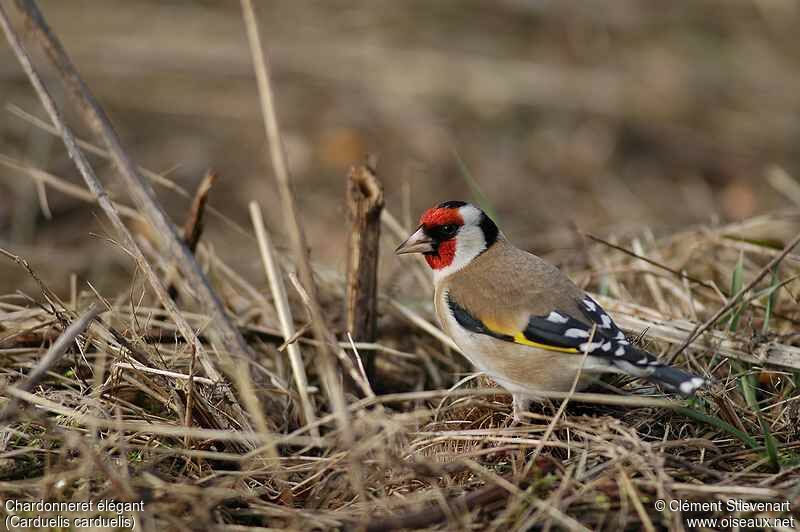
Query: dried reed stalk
(94, 115)
(220, 327)
(174, 248)
(329, 373)
(277, 286)
(299, 246)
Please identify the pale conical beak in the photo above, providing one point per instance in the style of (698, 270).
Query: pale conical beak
(419, 242)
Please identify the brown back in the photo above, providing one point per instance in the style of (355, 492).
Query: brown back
(506, 285)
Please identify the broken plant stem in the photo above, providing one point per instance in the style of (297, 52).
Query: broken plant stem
(364, 203)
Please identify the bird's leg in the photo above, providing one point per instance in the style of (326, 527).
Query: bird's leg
(521, 404)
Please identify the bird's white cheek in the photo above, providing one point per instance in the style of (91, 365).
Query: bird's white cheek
(470, 243)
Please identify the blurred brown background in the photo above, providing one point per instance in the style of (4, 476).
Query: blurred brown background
(606, 116)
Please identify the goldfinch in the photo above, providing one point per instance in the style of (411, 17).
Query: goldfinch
(519, 319)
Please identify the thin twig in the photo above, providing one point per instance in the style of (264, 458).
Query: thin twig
(362, 372)
(40, 176)
(149, 174)
(190, 396)
(635, 255)
(552, 425)
(350, 363)
(165, 373)
(733, 300)
(636, 499)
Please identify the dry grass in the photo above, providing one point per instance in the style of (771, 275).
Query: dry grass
(126, 413)
(420, 447)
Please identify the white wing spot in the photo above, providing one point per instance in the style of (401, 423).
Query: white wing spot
(643, 361)
(606, 321)
(690, 386)
(620, 351)
(576, 333)
(606, 346)
(590, 304)
(620, 336)
(555, 317)
(588, 347)
(624, 342)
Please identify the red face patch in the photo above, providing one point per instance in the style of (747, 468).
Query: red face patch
(445, 254)
(437, 216)
(446, 250)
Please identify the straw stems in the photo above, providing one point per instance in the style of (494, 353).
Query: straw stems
(173, 247)
(433, 514)
(53, 355)
(734, 299)
(97, 119)
(364, 205)
(297, 237)
(331, 378)
(281, 301)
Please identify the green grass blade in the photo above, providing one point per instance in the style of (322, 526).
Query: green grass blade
(770, 444)
(714, 421)
(474, 188)
(774, 284)
(736, 285)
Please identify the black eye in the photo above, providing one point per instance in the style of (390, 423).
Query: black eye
(448, 230)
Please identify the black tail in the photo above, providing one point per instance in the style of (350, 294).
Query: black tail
(677, 380)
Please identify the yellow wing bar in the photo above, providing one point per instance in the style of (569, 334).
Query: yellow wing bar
(518, 337)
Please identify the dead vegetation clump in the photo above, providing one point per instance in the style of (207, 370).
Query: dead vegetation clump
(110, 418)
(267, 419)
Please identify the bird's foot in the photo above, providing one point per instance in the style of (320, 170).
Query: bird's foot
(520, 406)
